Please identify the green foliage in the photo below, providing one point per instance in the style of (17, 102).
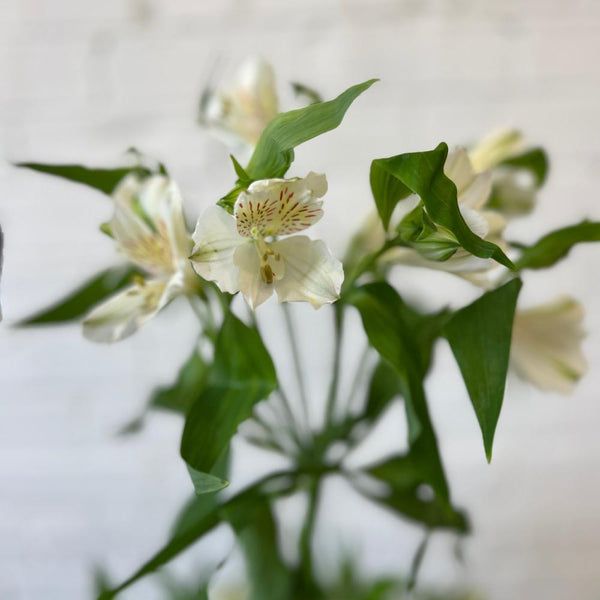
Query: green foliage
(104, 180)
(254, 524)
(535, 161)
(84, 298)
(422, 173)
(393, 330)
(274, 152)
(307, 92)
(242, 375)
(479, 336)
(554, 246)
(272, 156)
(183, 393)
(198, 518)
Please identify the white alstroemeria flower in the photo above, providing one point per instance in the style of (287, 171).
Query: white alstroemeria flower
(243, 252)
(546, 345)
(514, 190)
(496, 147)
(239, 111)
(149, 228)
(473, 191)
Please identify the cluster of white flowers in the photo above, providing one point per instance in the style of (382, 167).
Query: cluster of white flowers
(256, 250)
(240, 252)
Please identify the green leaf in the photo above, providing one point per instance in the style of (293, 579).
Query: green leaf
(198, 518)
(309, 93)
(479, 336)
(391, 332)
(535, 161)
(411, 494)
(422, 173)
(206, 483)
(274, 151)
(243, 177)
(242, 375)
(187, 388)
(556, 245)
(204, 522)
(84, 298)
(105, 180)
(255, 527)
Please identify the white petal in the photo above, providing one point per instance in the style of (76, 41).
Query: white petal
(495, 148)
(251, 283)
(311, 274)
(458, 168)
(243, 108)
(476, 222)
(216, 240)
(478, 193)
(546, 345)
(123, 314)
(280, 206)
(161, 199)
(148, 223)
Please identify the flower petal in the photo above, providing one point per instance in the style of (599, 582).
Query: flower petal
(142, 224)
(311, 274)
(546, 345)
(496, 147)
(123, 314)
(251, 283)
(216, 240)
(280, 206)
(241, 110)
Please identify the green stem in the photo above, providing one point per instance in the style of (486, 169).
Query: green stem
(289, 324)
(335, 372)
(307, 534)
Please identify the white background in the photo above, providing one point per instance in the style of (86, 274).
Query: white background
(81, 81)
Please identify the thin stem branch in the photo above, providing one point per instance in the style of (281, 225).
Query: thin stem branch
(289, 324)
(335, 372)
(307, 534)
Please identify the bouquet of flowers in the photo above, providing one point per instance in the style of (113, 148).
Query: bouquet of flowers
(436, 209)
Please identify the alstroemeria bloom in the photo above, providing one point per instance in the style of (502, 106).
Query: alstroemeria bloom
(546, 345)
(514, 189)
(239, 111)
(149, 228)
(243, 252)
(473, 191)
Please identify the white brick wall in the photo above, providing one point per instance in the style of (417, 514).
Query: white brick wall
(83, 81)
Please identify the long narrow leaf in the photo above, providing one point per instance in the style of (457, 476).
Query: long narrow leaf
(79, 302)
(554, 246)
(104, 180)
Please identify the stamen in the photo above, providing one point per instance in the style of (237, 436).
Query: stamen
(266, 273)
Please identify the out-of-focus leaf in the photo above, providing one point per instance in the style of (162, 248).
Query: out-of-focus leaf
(307, 92)
(206, 483)
(79, 302)
(104, 180)
(554, 246)
(479, 336)
(190, 382)
(242, 375)
(422, 173)
(199, 518)
(272, 158)
(392, 335)
(535, 161)
(411, 494)
(255, 528)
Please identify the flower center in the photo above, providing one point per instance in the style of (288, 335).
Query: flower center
(267, 256)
